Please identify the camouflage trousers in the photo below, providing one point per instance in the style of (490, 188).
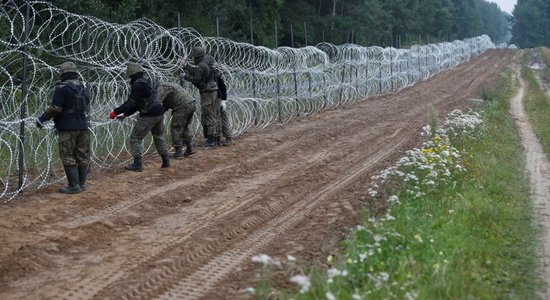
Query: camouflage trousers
(210, 113)
(225, 125)
(181, 120)
(74, 147)
(143, 126)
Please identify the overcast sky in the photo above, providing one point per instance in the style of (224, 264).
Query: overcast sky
(505, 5)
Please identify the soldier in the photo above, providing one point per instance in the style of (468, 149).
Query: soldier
(225, 124)
(69, 110)
(143, 98)
(183, 107)
(202, 78)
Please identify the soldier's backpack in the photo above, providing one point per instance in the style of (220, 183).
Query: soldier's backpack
(152, 100)
(217, 77)
(81, 104)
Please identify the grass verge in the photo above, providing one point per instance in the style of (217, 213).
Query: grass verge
(470, 236)
(537, 107)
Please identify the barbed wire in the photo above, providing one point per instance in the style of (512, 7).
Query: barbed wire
(265, 85)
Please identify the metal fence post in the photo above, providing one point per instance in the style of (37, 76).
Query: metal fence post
(253, 76)
(217, 26)
(380, 77)
(391, 71)
(294, 71)
(305, 32)
(24, 92)
(367, 78)
(88, 83)
(343, 80)
(279, 106)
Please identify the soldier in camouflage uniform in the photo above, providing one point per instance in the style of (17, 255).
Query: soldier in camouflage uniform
(69, 110)
(202, 78)
(143, 98)
(183, 107)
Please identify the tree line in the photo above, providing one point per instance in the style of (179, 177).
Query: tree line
(531, 23)
(308, 22)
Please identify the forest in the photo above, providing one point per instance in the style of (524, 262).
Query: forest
(531, 23)
(298, 23)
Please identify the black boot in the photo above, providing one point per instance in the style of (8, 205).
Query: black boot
(190, 150)
(228, 141)
(136, 166)
(165, 161)
(219, 141)
(82, 175)
(210, 142)
(178, 153)
(72, 178)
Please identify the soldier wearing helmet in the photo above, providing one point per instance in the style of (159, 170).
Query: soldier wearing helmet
(69, 110)
(202, 77)
(183, 107)
(143, 99)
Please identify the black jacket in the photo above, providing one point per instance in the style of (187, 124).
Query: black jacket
(140, 92)
(222, 88)
(64, 97)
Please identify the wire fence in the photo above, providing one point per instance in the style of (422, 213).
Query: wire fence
(265, 85)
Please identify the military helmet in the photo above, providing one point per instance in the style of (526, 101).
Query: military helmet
(198, 52)
(67, 67)
(132, 69)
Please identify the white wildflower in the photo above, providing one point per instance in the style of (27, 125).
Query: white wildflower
(411, 295)
(330, 296)
(332, 272)
(266, 260)
(302, 281)
(393, 199)
(384, 276)
(372, 192)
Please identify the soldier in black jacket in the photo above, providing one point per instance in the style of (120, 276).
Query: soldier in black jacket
(69, 110)
(143, 99)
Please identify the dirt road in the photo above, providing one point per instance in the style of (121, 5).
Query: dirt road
(538, 169)
(189, 232)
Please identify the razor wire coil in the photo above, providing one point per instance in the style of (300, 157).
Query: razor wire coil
(265, 85)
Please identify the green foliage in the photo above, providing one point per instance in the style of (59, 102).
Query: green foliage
(432, 119)
(537, 107)
(472, 240)
(366, 22)
(531, 23)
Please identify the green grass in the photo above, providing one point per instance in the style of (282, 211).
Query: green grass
(537, 107)
(545, 52)
(472, 240)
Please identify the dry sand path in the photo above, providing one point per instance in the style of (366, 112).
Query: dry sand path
(538, 168)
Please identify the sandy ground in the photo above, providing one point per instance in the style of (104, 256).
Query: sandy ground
(189, 232)
(538, 168)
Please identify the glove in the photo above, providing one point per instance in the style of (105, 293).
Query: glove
(182, 73)
(223, 105)
(112, 115)
(40, 122)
